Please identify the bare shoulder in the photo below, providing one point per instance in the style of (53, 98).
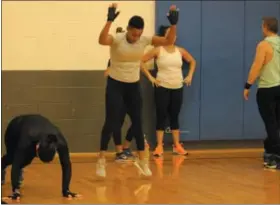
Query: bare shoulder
(264, 45)
(182, 50)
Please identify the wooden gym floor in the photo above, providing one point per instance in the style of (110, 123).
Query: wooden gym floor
(210, 176)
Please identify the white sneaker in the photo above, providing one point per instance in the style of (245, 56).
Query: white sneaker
(100, 167)
(143, 167)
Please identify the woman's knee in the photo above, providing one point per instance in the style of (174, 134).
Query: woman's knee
(174, 123)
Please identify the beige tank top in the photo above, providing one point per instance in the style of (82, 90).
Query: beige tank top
(126, 57)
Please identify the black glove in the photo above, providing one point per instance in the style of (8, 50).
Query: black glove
(15, 195)
(69, 194)
(112, 14)
(173, 16)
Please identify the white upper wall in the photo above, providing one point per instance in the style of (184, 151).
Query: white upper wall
(63, 35)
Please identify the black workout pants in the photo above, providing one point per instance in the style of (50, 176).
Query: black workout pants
(119, 94)
(11, 139)
(117, 136)
(268, 100)
(168, 105)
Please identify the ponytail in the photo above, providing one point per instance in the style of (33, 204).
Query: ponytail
(162, 30)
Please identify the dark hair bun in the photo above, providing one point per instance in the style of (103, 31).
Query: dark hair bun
(162, 30)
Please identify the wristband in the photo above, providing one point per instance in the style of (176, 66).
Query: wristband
(247, 86)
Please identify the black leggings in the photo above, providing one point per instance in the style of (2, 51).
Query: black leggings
(168, 104)
(119, 95)
(11, 139)
(117, 136)
(268, 100)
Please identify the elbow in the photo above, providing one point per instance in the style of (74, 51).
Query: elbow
(100, 41)
(194, 63)
(168, 41)
(143, 61)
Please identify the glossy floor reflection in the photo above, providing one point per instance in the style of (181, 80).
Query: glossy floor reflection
(199, 178)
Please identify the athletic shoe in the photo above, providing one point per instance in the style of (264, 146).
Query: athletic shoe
(128, 153)
(101, 167)
(158, 151)
(121, 157)
(273, 162)
(266, 158)
(271, 165)
(179, 150)
(143, 167)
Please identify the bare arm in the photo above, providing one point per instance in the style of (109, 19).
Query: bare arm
(258, 63)
(105, 38)
(148, 56)
(188, 58)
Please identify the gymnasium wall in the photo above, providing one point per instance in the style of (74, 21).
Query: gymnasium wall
(222, 36)
(53, 64)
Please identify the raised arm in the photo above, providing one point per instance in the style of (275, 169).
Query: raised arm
(173, 17)
(105, 38)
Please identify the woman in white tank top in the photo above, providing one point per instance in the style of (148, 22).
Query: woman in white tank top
(169, 89)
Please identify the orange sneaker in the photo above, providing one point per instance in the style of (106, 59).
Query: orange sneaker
(158, 151)
(179, 150)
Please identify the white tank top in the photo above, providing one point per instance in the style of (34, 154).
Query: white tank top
(170, 68)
